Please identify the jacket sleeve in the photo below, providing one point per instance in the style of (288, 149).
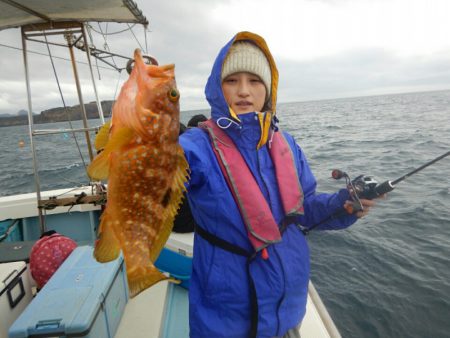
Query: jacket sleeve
(326, 209)
(192, 141)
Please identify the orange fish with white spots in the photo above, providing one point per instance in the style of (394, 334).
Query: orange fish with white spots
(146, 172)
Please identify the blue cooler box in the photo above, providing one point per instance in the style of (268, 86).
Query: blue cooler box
(83, 298)
(176, 257)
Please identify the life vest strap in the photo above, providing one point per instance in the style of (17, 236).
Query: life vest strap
(233, 248)
(221, 243)
(227, 246)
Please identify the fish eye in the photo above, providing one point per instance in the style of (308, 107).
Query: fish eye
(173, 95)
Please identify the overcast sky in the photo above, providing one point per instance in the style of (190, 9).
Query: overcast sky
(323, 49)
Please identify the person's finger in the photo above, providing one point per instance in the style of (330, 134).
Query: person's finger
(367, 203)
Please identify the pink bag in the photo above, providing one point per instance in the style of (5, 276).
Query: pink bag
(47, 254)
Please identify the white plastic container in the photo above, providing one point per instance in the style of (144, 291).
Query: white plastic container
(15, 293)
(83, 298)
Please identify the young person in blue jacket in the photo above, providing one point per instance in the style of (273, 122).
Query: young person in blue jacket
(251, 267)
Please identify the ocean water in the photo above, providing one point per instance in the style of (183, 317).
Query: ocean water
(388, 275)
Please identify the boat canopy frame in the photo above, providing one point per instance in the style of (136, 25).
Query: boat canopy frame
(42, 18)
(18, 13)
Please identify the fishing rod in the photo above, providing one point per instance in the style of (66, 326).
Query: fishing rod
(367, 188)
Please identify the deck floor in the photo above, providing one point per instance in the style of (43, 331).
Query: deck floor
(144, 315)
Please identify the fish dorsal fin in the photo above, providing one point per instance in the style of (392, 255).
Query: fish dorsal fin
(99, 168)
(102, 136)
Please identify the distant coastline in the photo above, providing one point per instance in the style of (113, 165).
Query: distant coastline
(59, 114)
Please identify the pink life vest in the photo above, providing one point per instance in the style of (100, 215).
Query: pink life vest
(255, 211)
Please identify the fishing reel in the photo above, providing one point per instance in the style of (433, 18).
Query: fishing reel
(362, 187)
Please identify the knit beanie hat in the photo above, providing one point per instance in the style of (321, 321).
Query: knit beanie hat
(244, 56)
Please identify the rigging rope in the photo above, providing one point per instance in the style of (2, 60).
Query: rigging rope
(70, 190)
(104, 34)
(55, 57)
(8, 230)
(140, 46)
(105, 45)
(92, 42)
(118, 32)
(64, 102)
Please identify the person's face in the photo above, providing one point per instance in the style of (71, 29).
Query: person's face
(244, 92)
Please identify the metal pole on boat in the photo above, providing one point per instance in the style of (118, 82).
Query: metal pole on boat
(88, 55)
(30, 128)
(80, 97)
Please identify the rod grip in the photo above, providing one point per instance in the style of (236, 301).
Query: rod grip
(384, 187)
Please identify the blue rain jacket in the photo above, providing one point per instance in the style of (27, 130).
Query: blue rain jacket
(219, 298)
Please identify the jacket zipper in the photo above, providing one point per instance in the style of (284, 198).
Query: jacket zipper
(284, 290)
(263, 179)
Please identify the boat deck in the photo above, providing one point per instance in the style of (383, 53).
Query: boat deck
(162, 310)
(144, 315)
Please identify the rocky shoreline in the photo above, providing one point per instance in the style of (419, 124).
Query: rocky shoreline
(58, 114)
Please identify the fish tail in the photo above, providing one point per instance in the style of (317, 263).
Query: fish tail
(107, 247)
(141, 278)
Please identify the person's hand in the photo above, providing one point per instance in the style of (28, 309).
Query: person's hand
(367, 204)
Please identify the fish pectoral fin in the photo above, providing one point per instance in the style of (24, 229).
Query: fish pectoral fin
(107, 247)
(141, 278)
(102, 136)
(174, 197)
(99, 168)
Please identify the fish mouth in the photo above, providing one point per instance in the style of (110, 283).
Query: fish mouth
(170, 66)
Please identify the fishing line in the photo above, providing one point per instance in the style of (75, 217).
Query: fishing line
(115, 94)
(117, 86)
(145, 37)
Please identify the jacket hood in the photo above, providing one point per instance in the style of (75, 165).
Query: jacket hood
(214, 93)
